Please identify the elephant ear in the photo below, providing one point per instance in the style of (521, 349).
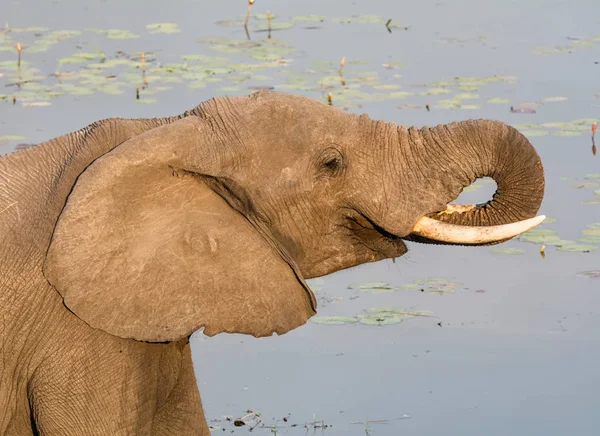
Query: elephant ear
(144, 249)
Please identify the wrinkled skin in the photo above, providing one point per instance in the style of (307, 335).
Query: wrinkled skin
(120, 240)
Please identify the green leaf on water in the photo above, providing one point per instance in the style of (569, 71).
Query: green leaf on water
(435, 91)
(466, 96)
(593, 226)
(400, 94)
(386, 87)
(508, 251)
(577, 247)
(275, 25)
(27, 29)
(334, 320)
(553, 99)
(163, 28)
(309, 18)
(392, 65)
(497, 100)
(230, 23)
(120, 34)
(592, 177)
(590, 274)
(448, 104)
(7, 138)
(373, 287)
(593, 239)
(61, 35)
(391, 310)
(380, 319)
(261, 16)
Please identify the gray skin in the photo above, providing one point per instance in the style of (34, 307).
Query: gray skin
(122, 239)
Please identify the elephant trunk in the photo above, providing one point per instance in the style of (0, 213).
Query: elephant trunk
(482, 148)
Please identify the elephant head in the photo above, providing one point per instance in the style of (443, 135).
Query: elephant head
(214, 219)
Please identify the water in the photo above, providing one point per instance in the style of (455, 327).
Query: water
(519, 341)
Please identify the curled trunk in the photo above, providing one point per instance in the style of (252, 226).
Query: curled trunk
(482, 148)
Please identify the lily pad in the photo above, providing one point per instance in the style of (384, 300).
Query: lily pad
(436, 91)
(590, 274)
(380, 319)
(509, 251)
(391, 310)
(585, 248)
(497, 100)
(27, 29)
(7, 138)
(553, 99)
(275, 25)
(373, 287)
(120, 34)
(593, 239)
(466, 96)
(334, 320)
(163, 28)
(313, 18)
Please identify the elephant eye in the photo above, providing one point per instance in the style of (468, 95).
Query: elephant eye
(331, 162)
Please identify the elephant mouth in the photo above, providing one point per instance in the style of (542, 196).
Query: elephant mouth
(374, 236)
(429, 229)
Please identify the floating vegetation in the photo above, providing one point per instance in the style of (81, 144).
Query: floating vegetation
(497, 100)
(563, 128)
(435, 285)
(8, 138)
(376, 316)
(163, 28)
(573, 44)
(508, 251)
(585, 243)
(585, 248)
(309, 18)
(553, 99)
(373, 287)
(230, 65)
(590, 274)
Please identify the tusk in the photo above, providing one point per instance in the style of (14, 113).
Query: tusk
(455, 234)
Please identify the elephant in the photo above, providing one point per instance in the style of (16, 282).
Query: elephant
(123, 238)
